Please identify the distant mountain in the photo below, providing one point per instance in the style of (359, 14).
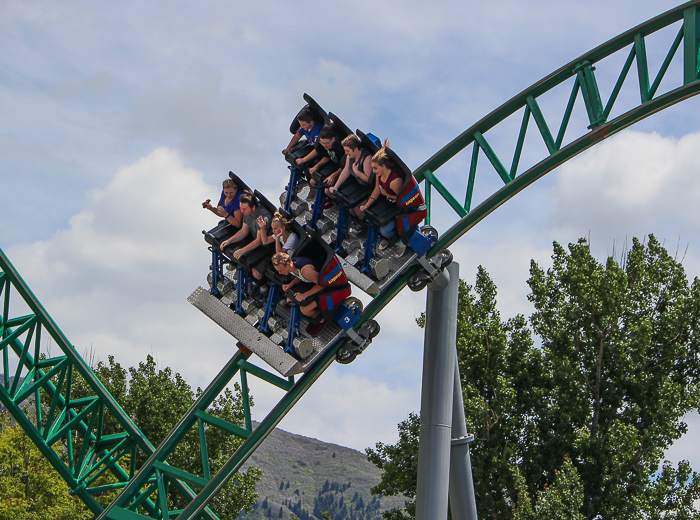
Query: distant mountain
(306, 477)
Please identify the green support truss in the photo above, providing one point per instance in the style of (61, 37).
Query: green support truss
(145, 489)
(603, 120)
(36, 388)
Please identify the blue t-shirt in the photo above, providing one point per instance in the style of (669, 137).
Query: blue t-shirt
(312, 134)
(232, 206)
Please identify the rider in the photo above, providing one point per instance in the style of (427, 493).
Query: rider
(250, 226)
(390, 182)
(229, 204)
(308, 127)
(306, 279)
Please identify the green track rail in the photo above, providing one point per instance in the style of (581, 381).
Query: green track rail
(145, 489)
(36, 390)
(603, 118)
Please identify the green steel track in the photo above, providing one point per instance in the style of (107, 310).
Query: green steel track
(77, 423)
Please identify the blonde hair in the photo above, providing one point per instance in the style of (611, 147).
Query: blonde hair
(280, 218)
(285, 223)
(228, 183)
(281, 259)
(382, 158)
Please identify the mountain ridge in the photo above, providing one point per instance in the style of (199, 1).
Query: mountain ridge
(308, 476)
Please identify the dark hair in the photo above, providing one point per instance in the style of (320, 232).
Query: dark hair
(326, 133)
(305, 115)
(248, 198)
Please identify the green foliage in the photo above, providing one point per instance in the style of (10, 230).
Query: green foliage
(564, 499)
(673, 493)
(577, 426)
(400, 465)
(622, 353)
(156, 400)
(30, 489)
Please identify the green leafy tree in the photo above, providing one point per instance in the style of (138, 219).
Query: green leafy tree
(30, 489)
(621, 341)
(595, 405)
(673, 493)
(400, 465)
(564, 499)
(156, 399)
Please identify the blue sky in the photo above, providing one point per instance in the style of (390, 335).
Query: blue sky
(117, 120)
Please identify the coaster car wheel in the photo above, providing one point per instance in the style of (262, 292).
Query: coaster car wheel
(444, 258)
(369, 329)
(345, 356)
(354, 304)
(429, 231)
(417, 282)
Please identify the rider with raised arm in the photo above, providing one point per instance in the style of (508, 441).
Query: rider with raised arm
(229, 204)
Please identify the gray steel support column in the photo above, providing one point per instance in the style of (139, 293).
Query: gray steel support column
(437, 394)
(462, 498)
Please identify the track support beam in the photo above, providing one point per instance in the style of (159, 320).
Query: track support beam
(439, 456)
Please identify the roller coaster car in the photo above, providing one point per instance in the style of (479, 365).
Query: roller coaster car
(333, 302)
(301, 149)
(248, 260)
(408, 211)
(351, 193)
(380, 268)
(295, 353)
(336, 287)
(341, 131)
(214, 237)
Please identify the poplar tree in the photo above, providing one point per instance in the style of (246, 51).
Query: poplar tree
(572, 409)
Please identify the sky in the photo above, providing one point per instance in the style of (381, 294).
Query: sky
(118, 120)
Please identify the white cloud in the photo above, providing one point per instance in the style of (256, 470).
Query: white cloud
(116, 280)
(630, 186)
(81, 100)
(686, 448)
(630, 183)
(352, 410)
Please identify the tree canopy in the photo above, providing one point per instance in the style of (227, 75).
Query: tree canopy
(155, 399)
(30, 489)
(577, 421)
